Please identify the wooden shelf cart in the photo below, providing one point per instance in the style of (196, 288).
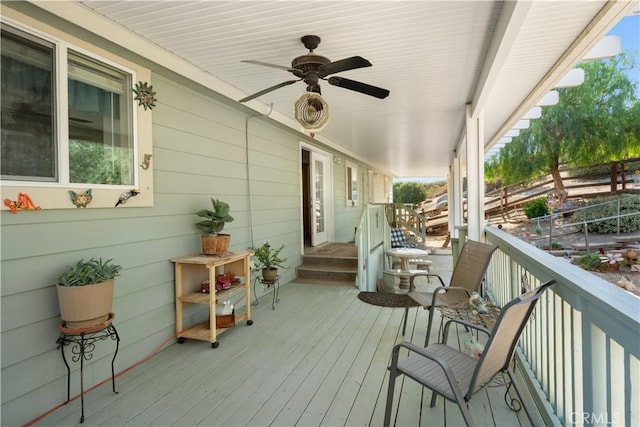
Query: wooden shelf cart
(190, 271)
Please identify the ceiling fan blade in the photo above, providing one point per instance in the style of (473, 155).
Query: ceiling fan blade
(266, 64)
(267, 90)
(343, 65)
(378, 92)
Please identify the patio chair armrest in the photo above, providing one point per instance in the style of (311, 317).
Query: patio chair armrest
(422, 351)
(427, 274)
(464, 323)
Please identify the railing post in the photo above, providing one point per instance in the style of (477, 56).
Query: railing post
(618, 218)
(586, 236)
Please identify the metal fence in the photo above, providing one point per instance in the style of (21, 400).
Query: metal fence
(557, 225)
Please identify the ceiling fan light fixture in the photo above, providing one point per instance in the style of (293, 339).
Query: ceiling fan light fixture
(312, 112)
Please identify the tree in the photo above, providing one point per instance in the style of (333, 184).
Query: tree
(409, 192)
(596, 122)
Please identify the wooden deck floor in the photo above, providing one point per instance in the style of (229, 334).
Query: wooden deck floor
(319, 358)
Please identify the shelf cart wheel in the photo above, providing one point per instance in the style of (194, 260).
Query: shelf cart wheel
(181, 340)
(215, 344)
(249, 322)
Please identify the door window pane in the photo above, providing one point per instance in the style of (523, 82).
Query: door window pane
(319, 196)
(352, 184)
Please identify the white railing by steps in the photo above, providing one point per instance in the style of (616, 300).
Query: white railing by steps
(372, 239)
(581, 350)
(405, 216)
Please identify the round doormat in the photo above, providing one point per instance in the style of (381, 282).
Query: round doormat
(384, 299)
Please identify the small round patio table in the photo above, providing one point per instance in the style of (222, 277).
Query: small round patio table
(405, 255)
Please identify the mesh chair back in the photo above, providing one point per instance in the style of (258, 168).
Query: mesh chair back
(501, 345)
(471, 265)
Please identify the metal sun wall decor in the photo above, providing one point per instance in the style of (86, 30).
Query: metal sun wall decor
(23, 202)
(81, 200)
(126, 196)
(145, 95)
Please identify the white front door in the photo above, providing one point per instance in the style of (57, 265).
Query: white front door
(320, 197)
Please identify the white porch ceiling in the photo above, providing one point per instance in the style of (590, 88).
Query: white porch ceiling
(434, 56)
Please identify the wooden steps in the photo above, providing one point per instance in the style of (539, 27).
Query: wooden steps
(332, 263)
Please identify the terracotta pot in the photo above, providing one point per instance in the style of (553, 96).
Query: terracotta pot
(215, 244)
(269, 274)
(613, 267)
(85, 306)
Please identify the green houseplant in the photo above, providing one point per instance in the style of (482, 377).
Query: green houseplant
(269, 259)
(85, 292)
(213, 241)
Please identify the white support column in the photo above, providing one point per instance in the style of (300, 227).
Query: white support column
(451, 198)
(475, 174)
(455, 196)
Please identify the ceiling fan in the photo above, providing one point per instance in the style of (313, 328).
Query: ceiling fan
(312, 68)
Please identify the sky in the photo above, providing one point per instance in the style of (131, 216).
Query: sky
(628, 29)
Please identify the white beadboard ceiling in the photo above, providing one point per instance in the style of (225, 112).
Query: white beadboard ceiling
(434, 56)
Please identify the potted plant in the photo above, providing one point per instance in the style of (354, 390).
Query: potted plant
(214, 242)
(269, 259)
(85, 292)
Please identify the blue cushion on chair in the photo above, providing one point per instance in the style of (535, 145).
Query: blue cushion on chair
(397, 238)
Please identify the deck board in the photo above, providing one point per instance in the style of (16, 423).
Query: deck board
(319, 358)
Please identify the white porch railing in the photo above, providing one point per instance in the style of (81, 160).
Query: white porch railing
(581, 351)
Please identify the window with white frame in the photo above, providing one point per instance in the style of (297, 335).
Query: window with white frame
(352, 184)
(67, 120)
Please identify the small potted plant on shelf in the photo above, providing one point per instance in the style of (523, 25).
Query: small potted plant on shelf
(85, 292)
(213, 241)
(269, 259)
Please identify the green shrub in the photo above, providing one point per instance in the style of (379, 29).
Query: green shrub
(409, 192)
(536, 208)
(627, 224)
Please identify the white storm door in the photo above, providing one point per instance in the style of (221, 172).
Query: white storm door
(320, 190)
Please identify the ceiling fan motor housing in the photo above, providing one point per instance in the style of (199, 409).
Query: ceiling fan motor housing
(309, 62)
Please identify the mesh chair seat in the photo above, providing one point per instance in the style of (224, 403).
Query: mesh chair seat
(425, 370)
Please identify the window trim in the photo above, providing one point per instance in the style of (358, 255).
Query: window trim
(55, 195)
